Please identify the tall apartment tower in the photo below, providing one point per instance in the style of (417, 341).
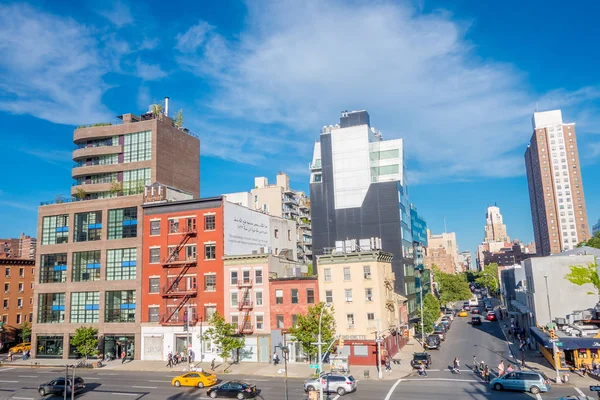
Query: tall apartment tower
(556, 195)
(358, 191)
(89, 246)
(495, 230)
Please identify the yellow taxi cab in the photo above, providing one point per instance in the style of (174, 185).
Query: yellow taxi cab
(198, 379)
(463, 313)
(20, 348)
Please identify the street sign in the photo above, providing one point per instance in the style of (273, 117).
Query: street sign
(554, 340)
(559, 343)
(595, 388)
(314, 366)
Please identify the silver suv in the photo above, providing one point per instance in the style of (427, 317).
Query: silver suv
(332, 383)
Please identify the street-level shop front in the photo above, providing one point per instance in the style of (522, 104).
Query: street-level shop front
(112, 345)
(572, 352)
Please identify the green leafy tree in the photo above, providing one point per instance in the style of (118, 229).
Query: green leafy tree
(86, 341)
(178, 119)
(306, 330)
(431, 312)
(488, 277)
(452, 287)
(26, 331)
(224, 336)
(581, 275)
(594, 241)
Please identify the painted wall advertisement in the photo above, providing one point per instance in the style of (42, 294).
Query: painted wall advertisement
(245, 230)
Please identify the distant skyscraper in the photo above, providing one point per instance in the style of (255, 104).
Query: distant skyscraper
(555, 185)
(495, 230)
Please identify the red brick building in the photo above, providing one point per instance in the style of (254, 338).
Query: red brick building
(16, 297)
(290, 297)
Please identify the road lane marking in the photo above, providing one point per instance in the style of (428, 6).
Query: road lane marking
(580, 392)
(9, 381)
(394, 386)
(159, 381)
(27, 376)
(127, 394)
(22, 398)
(145, 387)
(336, 397)
(7, 368)
(108, 374)
(440, 379)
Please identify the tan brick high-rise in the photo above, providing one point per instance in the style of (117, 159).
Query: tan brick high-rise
(556, 194)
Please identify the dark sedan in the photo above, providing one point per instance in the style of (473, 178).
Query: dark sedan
(57, 386)
(476, 320)
(234, 390)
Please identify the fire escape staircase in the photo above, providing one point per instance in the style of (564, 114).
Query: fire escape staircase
(245, 306)
(176, 288)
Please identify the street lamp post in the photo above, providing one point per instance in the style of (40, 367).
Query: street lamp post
(554, 347)
(286, 355)
(422, 325)
(326, 305)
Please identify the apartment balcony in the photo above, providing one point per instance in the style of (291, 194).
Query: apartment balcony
(169, 291)
(177, 319)
(177, 263)
(308, 252)
(91, 187)
(244, 283)
(86, 152)
(245, 305)
(246, 329)
(86, 170)
(315, 166)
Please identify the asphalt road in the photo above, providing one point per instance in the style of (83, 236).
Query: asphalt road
(463, 340)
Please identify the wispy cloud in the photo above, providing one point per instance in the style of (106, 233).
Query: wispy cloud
(16, 204)
(414, 72)
(119, 14)
(49, 156)
(143, 98)
(148, 72)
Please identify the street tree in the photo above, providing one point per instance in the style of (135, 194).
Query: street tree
(451, 287)
(306, 330)
(26, 331)
(224, 336)
(594, 241)
(488, 277)
(431, 312)
(86, 341)
(581, 275)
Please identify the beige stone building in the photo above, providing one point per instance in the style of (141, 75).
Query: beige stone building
(89, 249)
(360, 286)
(447, 241)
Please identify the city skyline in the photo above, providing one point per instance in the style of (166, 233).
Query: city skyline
(243, 136)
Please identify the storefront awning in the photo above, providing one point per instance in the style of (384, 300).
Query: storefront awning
(567, 343)
(539, 336)
(522, 308)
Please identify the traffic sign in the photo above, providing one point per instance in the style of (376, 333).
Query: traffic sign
(314, 366)
(554, 340)
(595, 388)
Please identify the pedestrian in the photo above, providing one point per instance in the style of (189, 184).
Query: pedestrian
(388, 366)
(475, 364)
(275, 358)
(509, 369)
(10, 356)
(486, 373)
(422, 370)
(501, 369)
(456, 366)
(528, 342)
(169, 360)
(123, 356)
(212, 365)
(594, 365)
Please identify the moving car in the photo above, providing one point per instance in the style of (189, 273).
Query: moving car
(197, 379)
(20, 348)
(463, 313)
(421, 358)
(234, 390)
(476, 320)
(475, 310)
(491, 316)
(432, 342)
(57, 386)
(528, 381)
(332, 383)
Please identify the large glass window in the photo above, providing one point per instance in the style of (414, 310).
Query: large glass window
(86, 266)
(55, 229)
(53, 268)
(122, 223)
(88, 226)
(137, 146)
(154, 228)
(135, 180)
(49, 347)
(120, 306)
(121, 264)
(85, 307)
(385, 170)
(209, 251)
(51, 308)
(155, 255)
(384, 154)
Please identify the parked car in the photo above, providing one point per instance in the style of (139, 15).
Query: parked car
(449, 314)
(332, 383)
(445, 324)
(58, 386)
(476, 320)
(527, 381)
(432, 342)
(421, 358)
(491, 316)
(20, 348)
(234, 389)
(440, 331)
(196, 379)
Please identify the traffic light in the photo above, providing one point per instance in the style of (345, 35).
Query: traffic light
(341, 343)
(185, 321)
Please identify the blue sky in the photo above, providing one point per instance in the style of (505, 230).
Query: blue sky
(257, 80)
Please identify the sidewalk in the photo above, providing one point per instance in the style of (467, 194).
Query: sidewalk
(245, 368)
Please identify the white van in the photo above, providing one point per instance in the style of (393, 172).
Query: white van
(473, 302)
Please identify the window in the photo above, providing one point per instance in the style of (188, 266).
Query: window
(190, 253)
(209, 222)
(85, 307)
(173, 226)
(122, 223)
(234, 299)
(279, 296)
(19, 303)
(294, 296)
(210, 251)
(86, 266)
(347, 276)
(276, 233)
(260, 322)
(369, 294)
(329, 296)
(246, 277)
(210, 282)
(155, 255)
(367, 272)
(310, 296)
(137, 146)
(348, 295)
(88, 226)
(5, 304)
(19, 319)
(154, 285)
(51, 308)
(153, 314)
(121, 264)
(120, 306)
(289, 234)
(279, 319)
(21, 288)
(258, 276)
(55, 229)
(21, 272)
(209, 311)
(7, 272)
(294, 320)
(350, 320)
(370, 319)
(234, 277)
(154, 228)
(53, 268)
(6, 288)
(327, 273)
(258, 297)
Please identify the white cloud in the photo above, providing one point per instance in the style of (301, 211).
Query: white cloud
(17, 205)
(49, 155)
(143, 98)
(148, 72)
(299, 63)
(119, 15)
(50, 67)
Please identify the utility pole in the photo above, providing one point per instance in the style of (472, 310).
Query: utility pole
(319, 344)
(422, 326)
(554, 347)
(189, 334)
(201, 342)
(378, 340)
(66, 381)
(73, 384)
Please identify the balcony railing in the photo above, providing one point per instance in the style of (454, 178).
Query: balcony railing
(178, 291)
(245, 328)
(245, 305)
(176, 319)
(244, 282)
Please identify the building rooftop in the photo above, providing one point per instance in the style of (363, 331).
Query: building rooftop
(579, 251)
